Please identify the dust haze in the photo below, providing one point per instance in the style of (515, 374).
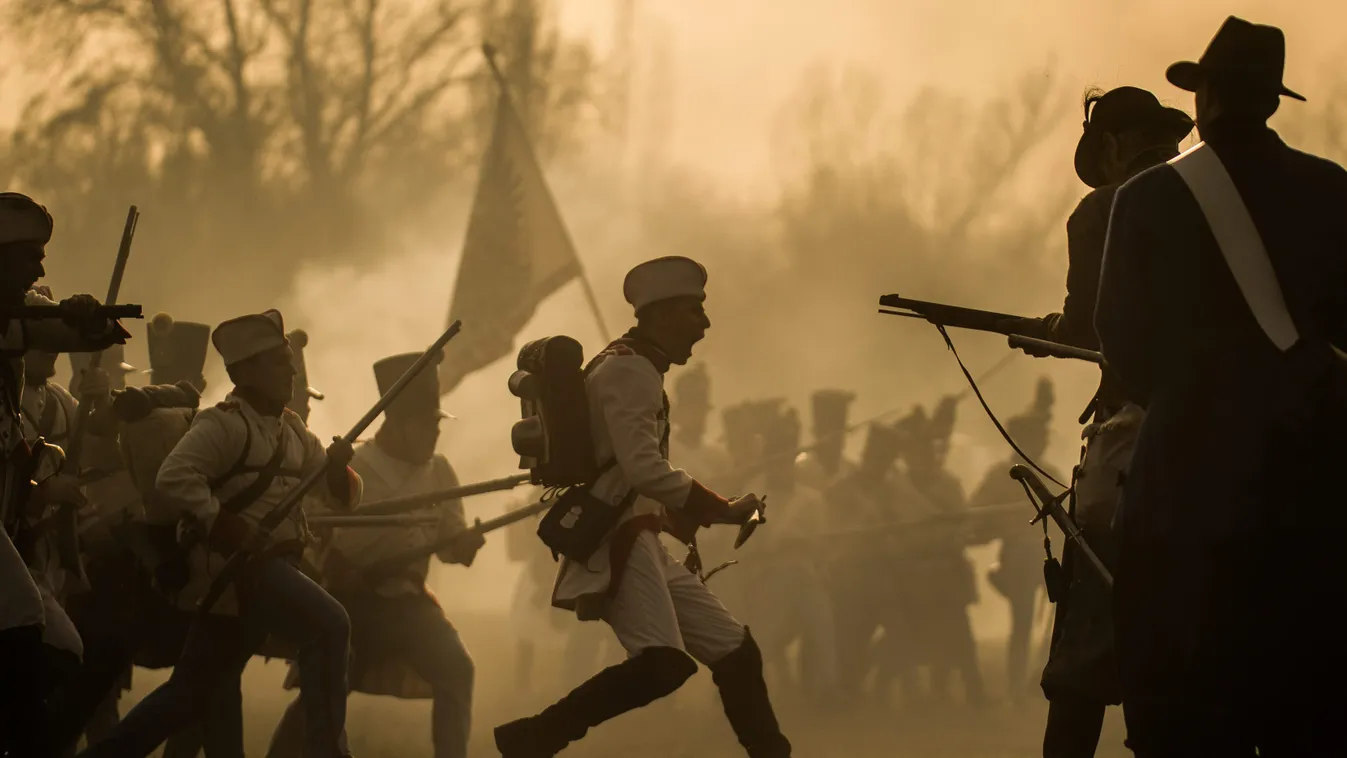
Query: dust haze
(813, 155)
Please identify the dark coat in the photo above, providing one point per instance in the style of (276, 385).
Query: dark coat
(1231, 517)
(1086, 232)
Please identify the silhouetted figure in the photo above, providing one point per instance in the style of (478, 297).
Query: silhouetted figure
(1126, 131)
(1224, 287)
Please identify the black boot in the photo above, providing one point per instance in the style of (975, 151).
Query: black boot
(636, 682)
(23, 692)
(744, 695)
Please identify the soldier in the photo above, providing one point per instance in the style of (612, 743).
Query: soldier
(660, 612)
(944, 602)
(236, 463)
(401, 642)
(25, 230)
(48, 411)
(128, 617)
(1018, 574)
(826, 462)
(1126, 131)
(1221, 301)
(862, 604)
(788, 595)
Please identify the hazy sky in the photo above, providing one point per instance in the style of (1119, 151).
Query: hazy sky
(735, 61)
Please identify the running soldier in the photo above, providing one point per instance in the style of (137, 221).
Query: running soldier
(237, 462)
(401, 643)
(661, 612)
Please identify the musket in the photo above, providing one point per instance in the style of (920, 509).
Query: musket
(1049, 505)
(398, 562)
(941, 314)
(67, 525)
(357, 521)
(292, 498)
(81, 423)
(1035, 346)
(408, 503)
(41, 312)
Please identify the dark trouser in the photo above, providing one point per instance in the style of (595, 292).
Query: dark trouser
(1225, 649)
(642, 679)
(278, 599)
(22, 691)
(1073, 728)
(116, 619)
(412, 630)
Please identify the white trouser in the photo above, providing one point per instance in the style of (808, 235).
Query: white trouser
(661, 604)
(20, 602)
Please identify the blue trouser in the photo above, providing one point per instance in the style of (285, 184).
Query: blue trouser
(412, 630)
(276, 598)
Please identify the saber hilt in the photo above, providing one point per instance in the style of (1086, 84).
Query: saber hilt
(1049, 505)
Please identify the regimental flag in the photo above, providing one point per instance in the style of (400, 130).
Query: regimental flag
(516, 252)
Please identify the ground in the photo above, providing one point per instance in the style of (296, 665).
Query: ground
(688, 725)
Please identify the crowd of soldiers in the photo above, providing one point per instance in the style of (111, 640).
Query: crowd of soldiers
(1213, 285)
(135, 499)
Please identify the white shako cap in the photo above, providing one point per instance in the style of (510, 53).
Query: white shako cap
(239, 339)
(22, 219)
(662, 279)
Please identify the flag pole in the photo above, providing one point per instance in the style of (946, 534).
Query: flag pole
(489, 52)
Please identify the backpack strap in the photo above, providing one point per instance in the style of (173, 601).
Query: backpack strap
(241, 464)
(265, 476)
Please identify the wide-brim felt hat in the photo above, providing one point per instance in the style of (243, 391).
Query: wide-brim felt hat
(1253, 55)
(1118, 111)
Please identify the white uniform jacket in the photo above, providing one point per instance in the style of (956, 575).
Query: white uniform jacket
(386, 477)
(203, 472)
(629, 422)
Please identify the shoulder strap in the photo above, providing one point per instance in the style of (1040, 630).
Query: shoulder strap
(1237, 237)
(249, 495)
(239, 465)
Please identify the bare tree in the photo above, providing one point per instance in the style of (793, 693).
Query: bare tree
(914, 193)
(257, 134)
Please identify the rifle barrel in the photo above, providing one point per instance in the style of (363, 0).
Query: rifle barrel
(358, 521)
(418, 501)
(399, 561)
(35, 312)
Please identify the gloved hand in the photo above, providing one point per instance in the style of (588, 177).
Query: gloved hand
(81, 312)
(742, 509)
(339, 454)
(464, 550)
(229, 533)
